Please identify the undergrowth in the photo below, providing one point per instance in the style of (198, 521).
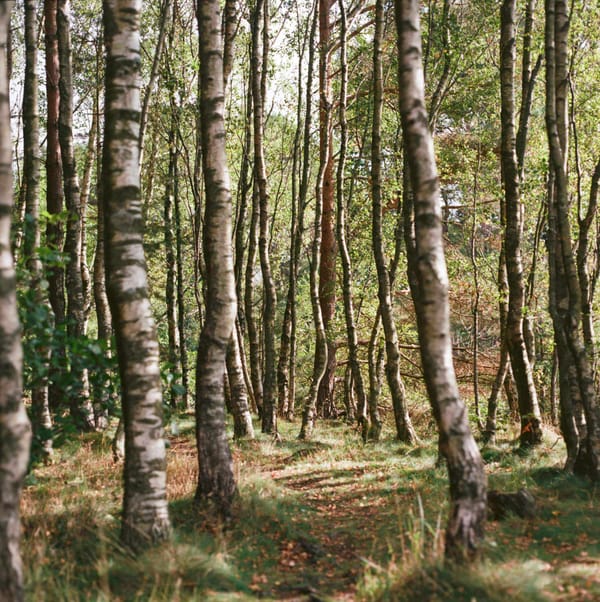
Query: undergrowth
(327, 519)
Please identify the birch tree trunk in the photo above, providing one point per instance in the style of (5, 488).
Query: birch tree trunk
(357, 378)
(79, 400)
(103, 315)
(327, 263)
(15, 430)
(376, 366)
(174, 352)
(216, 483)
(249, 302)
(40, 409)
(145, 509)
(302, 200)
(429, 284)
(531, 424)
(287, 349)
(54, 194)
(242, 419)
(259, 58)
(404, 429)
(309, 412)
(569, 314)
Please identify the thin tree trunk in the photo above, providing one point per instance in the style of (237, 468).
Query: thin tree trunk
(241, 240)
(569, 393)
(531, 431)
(429, 284)
(259, 58)
(181, 310)
(356, 375)
(285, 401)
(583, 270)
(40, 409)
(242, 419)
(216, 483)
(86, 186)
(302, 201)
(327, 263)
(163, 20)
(477, 293)
(174, 344)
(242, 236)
(15, 430)
(54, 196)
(250, 312)
(376, 367)
(489, 433)
(309, 413)
(145, 509)
(102, 395)
(229, 29)
(404, 429)
(553, 386)
(79, 400)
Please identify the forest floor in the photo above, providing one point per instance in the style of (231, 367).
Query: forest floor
(327, 519)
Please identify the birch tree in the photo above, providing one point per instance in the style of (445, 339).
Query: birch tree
(216, 482)
(531, 432)
(15, 430)
(145, 510)
(404, 429)
(429, 287)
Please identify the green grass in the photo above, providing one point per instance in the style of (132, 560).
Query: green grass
(328, 519)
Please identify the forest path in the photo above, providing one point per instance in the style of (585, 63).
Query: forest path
(339, 518)
(344, 518)
(329, 559)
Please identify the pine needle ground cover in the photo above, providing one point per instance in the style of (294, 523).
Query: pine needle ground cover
(327, 519)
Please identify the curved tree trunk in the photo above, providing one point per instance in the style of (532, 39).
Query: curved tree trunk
(15, 430)
(145, 509)
(404, 429)
(216, 482)
(429, 284)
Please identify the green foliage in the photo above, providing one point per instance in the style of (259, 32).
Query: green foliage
(54, 357)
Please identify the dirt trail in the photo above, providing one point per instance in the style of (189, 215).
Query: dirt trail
(345, 533)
